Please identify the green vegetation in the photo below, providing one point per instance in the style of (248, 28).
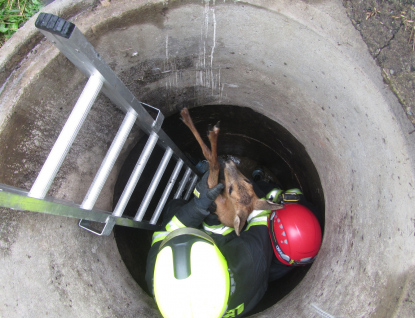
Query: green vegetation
(407, 18)
(14, 13)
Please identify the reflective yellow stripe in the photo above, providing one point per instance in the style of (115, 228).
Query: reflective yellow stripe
(233, 312)
(218, 226)
(174, 224)
(196, 193)
(159, 236)
(263, 220)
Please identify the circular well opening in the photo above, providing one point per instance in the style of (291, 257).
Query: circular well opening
(252, 141)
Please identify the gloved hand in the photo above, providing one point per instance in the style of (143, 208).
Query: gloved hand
(205, 197)
(194, 212)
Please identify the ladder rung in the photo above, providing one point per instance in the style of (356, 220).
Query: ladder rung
(191, 187)
(166, 192)
(183, 183)
(66, 137)
(136, 174)
(153, 185)
(109, 160)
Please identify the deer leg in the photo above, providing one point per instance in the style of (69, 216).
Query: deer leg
(210, 156)
(214, 163)
(189, 123)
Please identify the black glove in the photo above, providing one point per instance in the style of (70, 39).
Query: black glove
(194, 212)
(205, 197)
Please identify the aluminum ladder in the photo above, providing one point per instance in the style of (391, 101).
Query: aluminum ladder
(73, 44)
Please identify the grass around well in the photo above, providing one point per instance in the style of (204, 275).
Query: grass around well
(408, 19)
(14, 13)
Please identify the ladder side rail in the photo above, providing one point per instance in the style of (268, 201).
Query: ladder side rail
(66, 137)
(18, 199)
(167, 191)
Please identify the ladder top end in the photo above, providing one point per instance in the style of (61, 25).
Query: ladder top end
(54, 24)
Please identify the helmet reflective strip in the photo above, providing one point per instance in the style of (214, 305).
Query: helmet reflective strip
(283, 256)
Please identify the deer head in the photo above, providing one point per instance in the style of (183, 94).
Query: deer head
(240, 199)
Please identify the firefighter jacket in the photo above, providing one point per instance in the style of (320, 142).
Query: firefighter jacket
(248, 256)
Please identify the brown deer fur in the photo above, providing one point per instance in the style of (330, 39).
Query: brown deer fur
(238, 199)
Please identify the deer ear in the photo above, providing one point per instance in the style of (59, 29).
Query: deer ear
(266, 205)
(238, 224)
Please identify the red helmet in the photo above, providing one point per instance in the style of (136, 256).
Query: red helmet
(295, 234)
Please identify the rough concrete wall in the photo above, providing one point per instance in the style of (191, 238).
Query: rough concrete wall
(301, 64)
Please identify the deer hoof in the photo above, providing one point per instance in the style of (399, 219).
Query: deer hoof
(215, 129)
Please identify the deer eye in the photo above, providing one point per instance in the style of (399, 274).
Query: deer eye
(230, 189)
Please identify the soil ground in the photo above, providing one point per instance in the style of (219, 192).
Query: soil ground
(388, 29)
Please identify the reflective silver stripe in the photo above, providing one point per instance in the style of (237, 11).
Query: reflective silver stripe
(159, 237)
(262, 220)
(172, 226)
(216, 230)
(253, 214)
(160, 234)
(259, 219)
